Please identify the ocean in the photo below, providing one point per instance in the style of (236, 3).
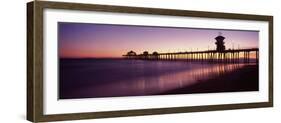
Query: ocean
(96, 78)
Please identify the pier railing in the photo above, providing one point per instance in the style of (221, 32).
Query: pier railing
(227, 56)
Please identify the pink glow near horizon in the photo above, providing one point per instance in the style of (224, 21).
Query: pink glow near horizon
(78, 40)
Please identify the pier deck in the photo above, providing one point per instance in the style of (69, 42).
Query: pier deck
(227, 56)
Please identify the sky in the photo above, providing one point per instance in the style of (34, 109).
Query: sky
(85, 40)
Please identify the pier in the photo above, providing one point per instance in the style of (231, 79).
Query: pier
(220, 55)
(227, 56)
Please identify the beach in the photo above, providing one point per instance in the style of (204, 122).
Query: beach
(244, 79)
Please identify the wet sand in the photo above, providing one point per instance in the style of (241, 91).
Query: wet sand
(244, 79)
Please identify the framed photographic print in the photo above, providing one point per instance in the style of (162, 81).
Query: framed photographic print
(96, 61)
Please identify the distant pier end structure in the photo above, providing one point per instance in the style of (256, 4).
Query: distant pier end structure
(131, 55)
(219, 55)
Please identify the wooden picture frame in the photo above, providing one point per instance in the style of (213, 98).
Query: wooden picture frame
(35, 61)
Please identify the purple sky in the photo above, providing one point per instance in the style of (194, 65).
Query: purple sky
(80, 40)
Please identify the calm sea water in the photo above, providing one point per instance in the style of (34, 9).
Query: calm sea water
(89, 78)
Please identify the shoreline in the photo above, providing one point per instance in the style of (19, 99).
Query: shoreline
(244, 79)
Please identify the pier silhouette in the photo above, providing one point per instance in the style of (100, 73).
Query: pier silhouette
(219, 55)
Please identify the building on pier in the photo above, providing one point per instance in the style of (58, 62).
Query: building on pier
(220, 43)
(131, 54)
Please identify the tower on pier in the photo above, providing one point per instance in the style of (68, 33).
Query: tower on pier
(220, 43)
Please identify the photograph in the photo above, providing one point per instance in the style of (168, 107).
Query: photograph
(98, 60)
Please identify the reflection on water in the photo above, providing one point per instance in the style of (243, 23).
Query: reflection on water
(141, 79)
(166, 82)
